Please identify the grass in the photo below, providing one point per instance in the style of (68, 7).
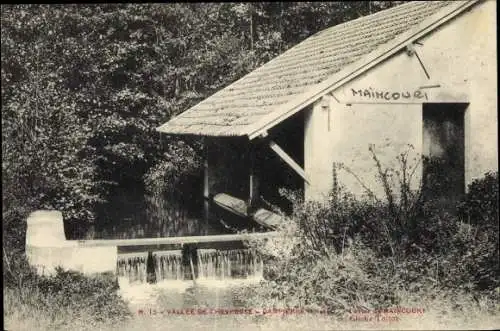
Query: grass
(63, 301)
(439, 314)
(31, 309)
(37, 314)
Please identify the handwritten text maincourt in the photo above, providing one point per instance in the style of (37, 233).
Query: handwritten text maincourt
(371, 94)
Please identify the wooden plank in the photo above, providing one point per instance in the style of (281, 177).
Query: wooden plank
(232, 204)
(288, 160)
(267, 218)
(176, 240)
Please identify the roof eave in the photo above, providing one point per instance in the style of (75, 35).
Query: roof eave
(184, 132)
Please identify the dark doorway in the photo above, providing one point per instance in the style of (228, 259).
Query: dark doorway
(444, 153)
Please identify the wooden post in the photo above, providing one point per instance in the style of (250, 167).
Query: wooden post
(206, 185)
(151, 268)
(192, 269)
(253, 195)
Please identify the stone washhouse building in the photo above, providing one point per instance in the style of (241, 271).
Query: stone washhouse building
(421, 74)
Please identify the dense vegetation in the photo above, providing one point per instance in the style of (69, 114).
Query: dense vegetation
(67, 300)
(352, 253)
(84, 87)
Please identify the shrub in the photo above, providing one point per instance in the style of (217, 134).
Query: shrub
(72, 290)
(314, 280)
(349, 252)
(463, 247)
(64, 296)
(480, 205)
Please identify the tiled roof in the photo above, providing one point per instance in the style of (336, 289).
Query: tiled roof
(239, 107)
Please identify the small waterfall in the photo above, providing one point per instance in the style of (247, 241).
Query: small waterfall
(224, 264)
(168, 265)
(133, 266)
(211, 264)
(206, 262)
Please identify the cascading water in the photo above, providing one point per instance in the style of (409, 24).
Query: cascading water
(168, 265)
(211, 264)
(133, 266)
(224, 264)
(165, 278)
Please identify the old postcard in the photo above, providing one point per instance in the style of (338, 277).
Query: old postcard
(265, 165)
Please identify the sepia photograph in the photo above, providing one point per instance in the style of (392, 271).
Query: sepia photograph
(250, 166)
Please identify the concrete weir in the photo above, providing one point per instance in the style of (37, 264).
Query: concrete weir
(47, 248)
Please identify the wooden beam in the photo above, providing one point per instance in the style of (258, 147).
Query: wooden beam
(288, 160)
(175, 240)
